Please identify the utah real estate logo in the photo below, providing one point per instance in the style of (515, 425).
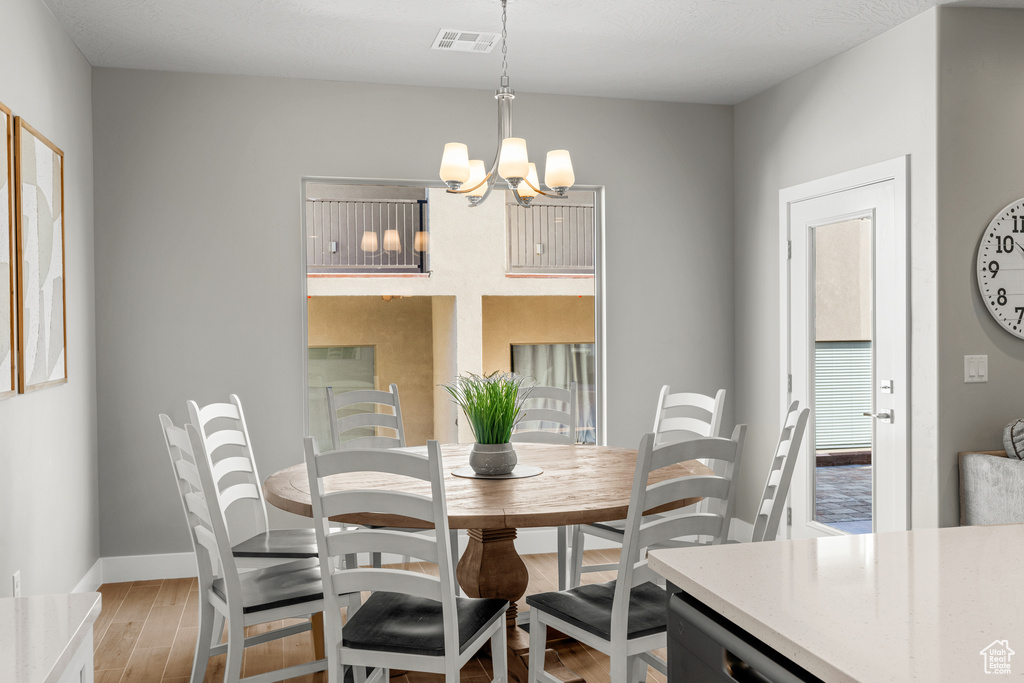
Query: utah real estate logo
(997, 657)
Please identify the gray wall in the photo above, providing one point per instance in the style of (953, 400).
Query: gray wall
(48, 489)
(872, 103)
(981, 170)
(198, 282)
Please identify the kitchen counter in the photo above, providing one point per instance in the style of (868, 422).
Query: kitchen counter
(902, 606)
(47, 638)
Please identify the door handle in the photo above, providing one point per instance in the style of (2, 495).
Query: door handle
(881, 415)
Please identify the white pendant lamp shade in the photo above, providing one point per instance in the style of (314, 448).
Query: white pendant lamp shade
(558, 170)
(421, 242)
(513, 161)
(477, 173)
(526, 190)
(455, 163)
(369, 241)
(392, 241)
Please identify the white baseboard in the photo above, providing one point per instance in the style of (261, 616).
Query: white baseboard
(92, 580)
(137, 568)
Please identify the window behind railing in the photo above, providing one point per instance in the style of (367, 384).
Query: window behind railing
(551, 238)
(365, 234)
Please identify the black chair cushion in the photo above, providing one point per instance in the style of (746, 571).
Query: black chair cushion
(395, 622)
(278, 586)
(294, 543)
(590, 608)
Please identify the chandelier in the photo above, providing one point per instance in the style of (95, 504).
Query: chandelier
(511, 161)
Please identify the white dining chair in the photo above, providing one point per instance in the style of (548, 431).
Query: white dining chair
(678, 417)
(270, 594)
(222, 429)
(410, 620)
(780, 474)
(626, 618)
(351, 414)
(550, 415)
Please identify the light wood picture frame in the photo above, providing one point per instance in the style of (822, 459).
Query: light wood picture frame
(39, 210)
(8, 303)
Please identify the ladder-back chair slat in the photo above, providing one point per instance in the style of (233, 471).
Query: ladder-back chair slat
(361, 420)
(224, 437)
(382, 461)
(361, 540)
(706, 448)
(543, 414)
(197, 506)
(694, 486)
(391, 580)
(215, 411)
(187, 471)
(381, 502)
(227, 466)
(668, 528)
(689, 399)
(237, 492)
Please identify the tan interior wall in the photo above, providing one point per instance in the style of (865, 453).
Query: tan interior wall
(532, 320)
(401, 332)
(843, 281)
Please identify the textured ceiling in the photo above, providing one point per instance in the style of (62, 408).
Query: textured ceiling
(713, 51)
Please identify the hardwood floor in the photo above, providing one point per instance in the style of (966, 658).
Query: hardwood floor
(147, 630)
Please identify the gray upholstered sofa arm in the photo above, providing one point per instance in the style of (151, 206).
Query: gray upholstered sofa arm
(991, 489)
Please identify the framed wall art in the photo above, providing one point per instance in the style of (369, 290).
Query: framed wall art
(39, 209)
(8, 305)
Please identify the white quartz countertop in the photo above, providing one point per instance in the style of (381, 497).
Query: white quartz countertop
(40, 634)
(901, 606)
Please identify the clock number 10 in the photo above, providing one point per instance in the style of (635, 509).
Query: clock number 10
(1004, 245)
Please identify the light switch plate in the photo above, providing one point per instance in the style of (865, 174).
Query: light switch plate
(975, 369)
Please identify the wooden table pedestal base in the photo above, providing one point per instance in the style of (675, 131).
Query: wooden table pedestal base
(492, 568)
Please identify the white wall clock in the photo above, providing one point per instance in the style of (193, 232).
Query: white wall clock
(1001, 268)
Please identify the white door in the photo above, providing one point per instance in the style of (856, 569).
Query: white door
(845, 349)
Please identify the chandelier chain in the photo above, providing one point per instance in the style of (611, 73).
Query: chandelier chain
(504, 45)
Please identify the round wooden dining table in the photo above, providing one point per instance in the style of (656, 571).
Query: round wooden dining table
(579, 484)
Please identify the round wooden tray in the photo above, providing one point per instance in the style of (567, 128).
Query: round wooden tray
(519, 472)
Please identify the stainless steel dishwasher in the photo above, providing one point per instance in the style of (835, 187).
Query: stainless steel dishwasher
(705, 647)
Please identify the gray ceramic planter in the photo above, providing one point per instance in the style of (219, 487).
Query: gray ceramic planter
(497, 458)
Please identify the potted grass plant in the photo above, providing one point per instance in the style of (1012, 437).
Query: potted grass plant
(493, 405)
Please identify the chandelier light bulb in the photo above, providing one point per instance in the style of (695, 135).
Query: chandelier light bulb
(369, 241)
(558, 173)
(455, 164)
(477, 173)
(512, 160)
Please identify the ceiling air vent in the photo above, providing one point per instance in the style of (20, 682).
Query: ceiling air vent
(452, 40)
